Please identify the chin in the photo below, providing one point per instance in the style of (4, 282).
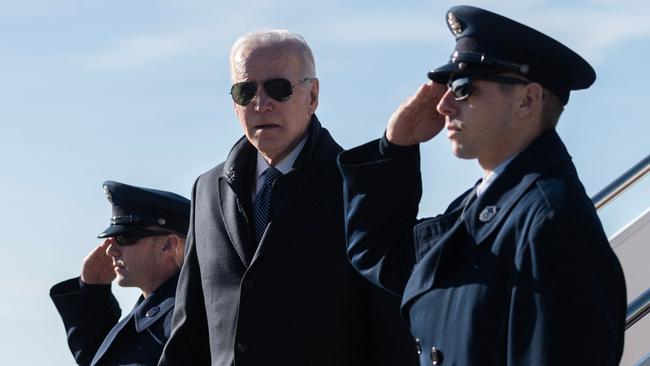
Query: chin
(123, 282)
(460, 154)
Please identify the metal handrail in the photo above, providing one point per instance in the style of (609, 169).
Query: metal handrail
(622, 183)
(637, 309)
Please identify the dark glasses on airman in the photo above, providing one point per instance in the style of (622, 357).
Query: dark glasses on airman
(132, 237)
(461, 87)
(279, 89)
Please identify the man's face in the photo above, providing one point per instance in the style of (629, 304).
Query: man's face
(138, 265)
(275, 127)
(481, 126)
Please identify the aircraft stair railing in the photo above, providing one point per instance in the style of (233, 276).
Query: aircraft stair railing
(622, 183)
(637, 309)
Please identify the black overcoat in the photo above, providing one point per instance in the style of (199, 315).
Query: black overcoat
(90, 314)
(523, 275)
(296, 300)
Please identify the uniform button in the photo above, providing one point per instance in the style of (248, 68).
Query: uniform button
(436, 356)
(153, 311)
(242, 348)
(249, 285)
(418, 347)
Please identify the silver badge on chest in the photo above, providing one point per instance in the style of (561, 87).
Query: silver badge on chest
(488, 213)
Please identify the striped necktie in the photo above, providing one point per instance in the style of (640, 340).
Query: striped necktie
(262, 209)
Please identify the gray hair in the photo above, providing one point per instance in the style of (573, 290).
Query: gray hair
(279, 38)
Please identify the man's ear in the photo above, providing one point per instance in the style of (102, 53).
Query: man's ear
(530, 101)
(313, 93)
(171, 243)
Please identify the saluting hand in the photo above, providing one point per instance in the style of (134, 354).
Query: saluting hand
(417, 120)
(97, 266)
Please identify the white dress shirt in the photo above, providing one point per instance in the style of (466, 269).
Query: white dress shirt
(284, 166)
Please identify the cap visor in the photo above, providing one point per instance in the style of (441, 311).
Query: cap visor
(114, 230)
(441, 74)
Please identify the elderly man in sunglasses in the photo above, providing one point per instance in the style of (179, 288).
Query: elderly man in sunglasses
(143, 248)
(266, 280)
(518, 270)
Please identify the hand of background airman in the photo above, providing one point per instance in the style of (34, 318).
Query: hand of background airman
(97, 266)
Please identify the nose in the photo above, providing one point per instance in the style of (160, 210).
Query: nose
(113, 249)
(447, 106)
(262, 101)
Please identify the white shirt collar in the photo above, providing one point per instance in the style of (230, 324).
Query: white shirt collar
(487, 181)
(284, 166)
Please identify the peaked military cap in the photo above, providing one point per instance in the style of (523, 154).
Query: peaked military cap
(490, 43)
(136, 207)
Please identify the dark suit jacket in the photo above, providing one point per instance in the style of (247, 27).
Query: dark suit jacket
(294, 301)
(90, 314)
(524, 276)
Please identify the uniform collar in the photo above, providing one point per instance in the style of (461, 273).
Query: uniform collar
(156, 305)
(545, 153)
(487, 180)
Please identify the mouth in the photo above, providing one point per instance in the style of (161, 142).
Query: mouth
(266, 126)
(452, 129)
(453, 126)
(118, 265)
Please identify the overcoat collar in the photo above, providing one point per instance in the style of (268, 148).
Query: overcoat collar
(483, 215)
(146, 312)
(234, 189)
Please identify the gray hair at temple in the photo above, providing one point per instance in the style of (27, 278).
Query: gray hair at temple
(279, 38)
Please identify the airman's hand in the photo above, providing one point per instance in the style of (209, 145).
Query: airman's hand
(97, 267)
(417, 120)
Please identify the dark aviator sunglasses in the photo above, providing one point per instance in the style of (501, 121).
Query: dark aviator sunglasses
(461, 87)
(279, 89)
(132, 237)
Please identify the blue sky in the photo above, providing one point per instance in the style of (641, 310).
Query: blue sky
(137, 91)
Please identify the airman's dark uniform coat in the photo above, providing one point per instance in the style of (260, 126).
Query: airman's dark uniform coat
(523, 275)
(90, 315)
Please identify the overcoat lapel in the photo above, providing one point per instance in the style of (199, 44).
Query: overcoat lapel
(431, 238)
(233, 198)
(110, 338)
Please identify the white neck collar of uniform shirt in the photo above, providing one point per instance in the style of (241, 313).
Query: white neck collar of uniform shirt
(284, 166)
(487, 181)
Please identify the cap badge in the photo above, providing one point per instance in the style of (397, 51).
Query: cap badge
(454, 24)
(109, 197)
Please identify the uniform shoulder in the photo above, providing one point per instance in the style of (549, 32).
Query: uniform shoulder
(559, 192)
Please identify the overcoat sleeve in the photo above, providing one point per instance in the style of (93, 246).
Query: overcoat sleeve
(189, 342)
(381, 193)
(88, 312)
(566, 278)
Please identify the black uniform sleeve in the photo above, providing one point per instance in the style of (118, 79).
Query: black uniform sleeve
(381, 191)
(88, 312)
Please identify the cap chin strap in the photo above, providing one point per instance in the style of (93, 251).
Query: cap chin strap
(466, 59)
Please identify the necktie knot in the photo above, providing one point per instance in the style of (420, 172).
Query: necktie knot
(270, 175)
